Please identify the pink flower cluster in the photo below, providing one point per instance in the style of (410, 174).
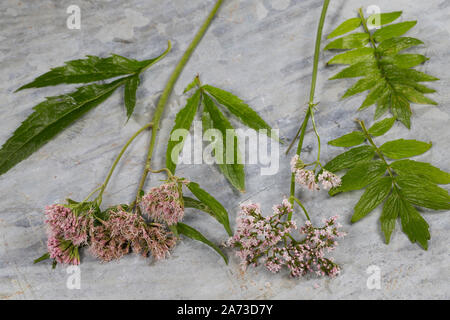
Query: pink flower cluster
(165, 203)
(308, 177)
(124, 231)
(268, 240)
(67, 231)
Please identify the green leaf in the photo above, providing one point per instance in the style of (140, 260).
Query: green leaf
(394, 73)
(384, 18)
(192, 85)
(413, 95)
(374, 95)
(395, 45)
(381, 127)
(232, 169)
(92, 69)
(401, 109)
(393, 30)
(422, 170)
(216, 208)
(352, 41)
(50, 118)
(361, 86)
(424, 193)
(374, 194)
(45, 256)
(131, 86)
(183, 120)
(240, 109)
(349, 140)
(190, 232)
(401, 148)
(389, 215)
(360, 176)
(359, 69)
(353, 56)
(350, 158)
(415, 227)
(405, 61)
(345, 27)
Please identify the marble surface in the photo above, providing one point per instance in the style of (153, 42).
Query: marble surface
(262, 51)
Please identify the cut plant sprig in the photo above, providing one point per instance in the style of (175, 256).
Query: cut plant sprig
(387, 73)
(205, 100)
(59, 112)
(311, 105)
(404, 184)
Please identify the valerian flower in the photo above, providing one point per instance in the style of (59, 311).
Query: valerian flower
(165, 203)
(308, 178)
(268, 240)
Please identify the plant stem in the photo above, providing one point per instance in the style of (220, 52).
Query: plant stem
(302, 206)
(377, 150)
(311, 93)
(103, 186)
(168, 91)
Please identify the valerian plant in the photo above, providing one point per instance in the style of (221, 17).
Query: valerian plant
(270, 240)
(403, 184)
(376, 56)
(205, 100)
(151, 224)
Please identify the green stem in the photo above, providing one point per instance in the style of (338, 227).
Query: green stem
(377, 150)
(103, 186)
(168, 91)
(311, 92)
(302, 206)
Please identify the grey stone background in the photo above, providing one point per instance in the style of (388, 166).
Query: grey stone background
(262, 51)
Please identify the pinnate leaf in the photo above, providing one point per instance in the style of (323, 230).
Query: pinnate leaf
(381, 127)
(393, 30)
(383, 18)
(352, 41)
(131, 86)
(374, 194)
(422, 170)
(350, 158)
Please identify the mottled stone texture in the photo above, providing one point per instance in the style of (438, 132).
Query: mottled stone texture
(262, 51)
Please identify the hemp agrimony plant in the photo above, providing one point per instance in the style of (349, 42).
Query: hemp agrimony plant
(270, 240)
(206, 99)
(386, 72)
(151, 224)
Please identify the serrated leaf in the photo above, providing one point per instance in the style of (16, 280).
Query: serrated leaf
(424, 193)
(383, 18)
(383, 104)
(352, 41)
(374, 194)
(393, 30)
(350, 158)
(183, 120)
(381, 127)
(401, 109)
(359, 69)
(360, 176)
(401, 148)
(405, 61)
(131, 86)
(361, 86)
(415, 227)
(395, 45)
(422, 170)
(413, 95)
(394, 73)
(232, 169)
(374, 95)
(389, 215)
(240, 109)
(353, 56)
(50, 118)
(345, 27)
(191, 85)
(349, 140)
(216, 208)
(92, 69)
(190, 232)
